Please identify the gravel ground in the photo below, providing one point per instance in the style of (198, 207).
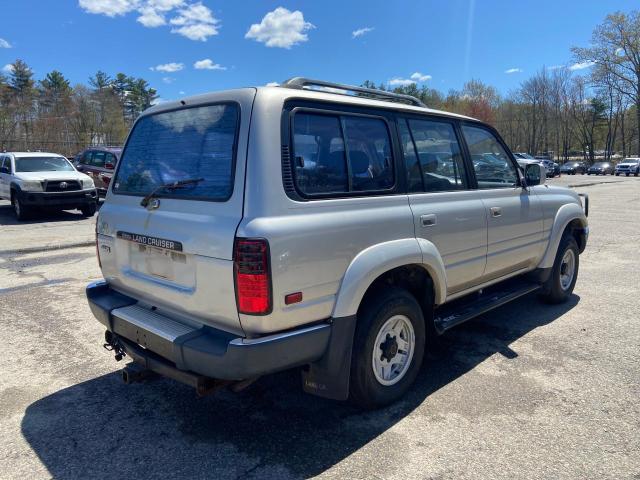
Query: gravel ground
(526, 391)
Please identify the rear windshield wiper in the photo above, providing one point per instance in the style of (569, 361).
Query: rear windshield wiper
(169, 186)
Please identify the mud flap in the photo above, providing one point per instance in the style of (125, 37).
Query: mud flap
(329, 376)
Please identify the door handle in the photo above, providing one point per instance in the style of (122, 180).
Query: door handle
(496, 211)
(428, 220)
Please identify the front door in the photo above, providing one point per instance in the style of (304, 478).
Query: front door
(446, 211)
(515, 221)
(5, 176)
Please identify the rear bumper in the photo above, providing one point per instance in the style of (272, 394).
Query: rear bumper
(75, 198)
(205, 350)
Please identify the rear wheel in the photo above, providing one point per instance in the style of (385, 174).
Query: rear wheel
(388, 348)
(564, 273)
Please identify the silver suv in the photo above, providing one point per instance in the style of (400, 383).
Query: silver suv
(322, 226)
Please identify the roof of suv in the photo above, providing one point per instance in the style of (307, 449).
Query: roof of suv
(281, 94)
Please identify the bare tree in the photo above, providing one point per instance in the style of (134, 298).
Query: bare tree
(615, 52)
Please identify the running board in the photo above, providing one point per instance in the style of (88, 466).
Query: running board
(459, 311)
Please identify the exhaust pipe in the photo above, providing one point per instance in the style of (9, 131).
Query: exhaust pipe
(131, 374)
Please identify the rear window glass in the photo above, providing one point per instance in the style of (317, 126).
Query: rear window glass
(336, 154)
(193, 143)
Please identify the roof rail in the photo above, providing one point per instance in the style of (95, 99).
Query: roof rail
(303, 83)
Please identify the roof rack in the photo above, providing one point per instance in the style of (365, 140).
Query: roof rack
(304, 83)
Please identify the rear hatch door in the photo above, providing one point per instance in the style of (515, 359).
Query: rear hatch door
(176, 254)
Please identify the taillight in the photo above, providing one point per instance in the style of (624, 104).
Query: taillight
(252, 277)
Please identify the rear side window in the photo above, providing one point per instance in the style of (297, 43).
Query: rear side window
(196, 143)
(432, 156)
(336, 154)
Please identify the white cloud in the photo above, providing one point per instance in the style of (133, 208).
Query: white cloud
(196, 22)
(207, 64)
(110, 8)
(8, 68)
(581, 65)
(4, 43)
(151, 17)
(419, 77)
(398, 82)
(361, 31)
(192, 20)
(280, 28)
(168, 67)
(513, 70)
(181, 92)
(272, 84)
(415, 77)
(555, 67)
(168, 80)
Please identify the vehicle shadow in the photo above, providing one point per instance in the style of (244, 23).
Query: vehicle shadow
(103, 428)
(7, 216)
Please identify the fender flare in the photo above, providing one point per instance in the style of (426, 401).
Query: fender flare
(565, 215)
(380, 258)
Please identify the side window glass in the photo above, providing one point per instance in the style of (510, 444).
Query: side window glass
(320, 160)
(491, 164)
(326, 163)
(98, 159)
(411, 164)
(110, 160)
(369, 152)
(86, 158)
(440, 159)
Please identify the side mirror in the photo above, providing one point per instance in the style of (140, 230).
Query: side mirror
(534, 174)
(109, 166)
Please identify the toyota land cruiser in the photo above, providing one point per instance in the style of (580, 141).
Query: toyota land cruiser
(321, 226)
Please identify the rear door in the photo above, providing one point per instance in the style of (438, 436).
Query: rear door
(176, 253)
(514, 214)
(446, 211)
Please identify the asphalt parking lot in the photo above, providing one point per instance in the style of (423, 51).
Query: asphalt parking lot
(526, 391)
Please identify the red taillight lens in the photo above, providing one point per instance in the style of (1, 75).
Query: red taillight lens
(253, 285)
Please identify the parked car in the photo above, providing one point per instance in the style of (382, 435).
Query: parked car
(39, 180)
(601, 168)
(628, 167)
(99, 163)
(310, 229)
(573, 168)
(549, 166)
(556, 169)
(524, 156)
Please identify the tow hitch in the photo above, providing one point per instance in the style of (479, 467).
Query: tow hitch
(113, 345)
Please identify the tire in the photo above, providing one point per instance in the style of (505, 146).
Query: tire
(560, 285)
(617, 174)
(393, 307)
(89, 210)
(626, 174)
(21, 211)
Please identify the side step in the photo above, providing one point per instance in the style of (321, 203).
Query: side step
(459, 311)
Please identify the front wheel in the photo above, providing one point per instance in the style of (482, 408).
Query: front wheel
(89, 210)
(21, 211)
(564, 273)
(388, 348)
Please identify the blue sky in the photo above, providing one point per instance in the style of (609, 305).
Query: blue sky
(253, 42)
